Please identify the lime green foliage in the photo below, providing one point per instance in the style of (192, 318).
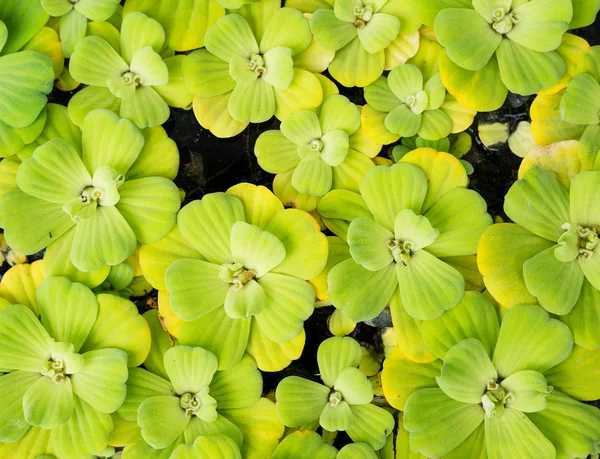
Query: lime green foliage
(490, 42)
(26, 75)
(342, 403)
(248, 73)
(254, 280)
(322, 152)
(412, 105)
(74, 18)
(457, 145)
(67, 374)
(194, 399)
(100, 195)
(359, 33)
(216, 446)
(555, 259)
(399, 228)
(130, 77)
(580, 104)
(304, 444)
(498, 389)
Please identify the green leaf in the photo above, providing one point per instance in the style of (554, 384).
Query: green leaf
(486, 8)
(571, 426)
(25, 343)
(162, 420)
(312, 176)
(575, 375)
(514, 245)
(221, 425)
(361, 294)
(415, 376)
(466, 371)
(89, 99)
(530, 340)
(190, 369)
(414, 228)
(254, 103)
(86, 433)
(304, 443)
(405, 81)
(275, 153)
(379, 32)
(300, 401)
(386, 191)
(329, 31)
(185, 23)
(584, 317)
(160, 343)
(430, 414)
(334, 418)
(260, 204)
(72, 29)
(371, 425)
(304, 93)
(529, 389)
(581, 103)
(556, 285)
(145, 107)
(238, 387)
(141, 386)
(305, 246)
(469, 40)
(97, 10)
(101, 381)
(110, 141)
(150, 207)
(36, 224)
(301, 128)
(525, 71)
(354, 386)
(541, 25)
(368, 244)
(159, 156)
(403, 121)
(95, 61)
(231, 36)
(138, 31)
(245, 303)
(461, 217)
(584, 187)
(255, 249)
(338, 113)
(13, 425)
(335, 147)
(335, 355)
(288, 303)
(191, 301)
(209, 447)
(474, 317)
(48, 404)
(428, 286)
(119, 326)
(150, 66)
(54, 173)
(435, 125)
(427, 11)
(27, 77)
(269, 355)
(104, 238)
(354, 66)
(206, 225)
(514, 434)
(218, 333)
(287, 28)
(539, 203)
(239, 71)
(68, 310)
(584, 13)
(206, 75)
(379, 95)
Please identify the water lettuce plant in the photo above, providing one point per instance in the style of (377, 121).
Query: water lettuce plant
(26, 75)
(132, 79)
(252, 277)
(499, 388)
(342, 402)
(74, 18)
(66, 371)
(550, 253)
(412, 105)
(405, 221)
(101, 194)
(305, 444)
(360, 33)
(500, 45)
(191, 399)
(322, 152)
(247, 74)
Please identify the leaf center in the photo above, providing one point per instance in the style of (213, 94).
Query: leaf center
(503, 22)
(237, 275)
(495, 399)
(363, 15)
(256, 63)
(335, 397)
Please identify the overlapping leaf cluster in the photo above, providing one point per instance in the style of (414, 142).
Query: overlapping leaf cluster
(490, 344)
